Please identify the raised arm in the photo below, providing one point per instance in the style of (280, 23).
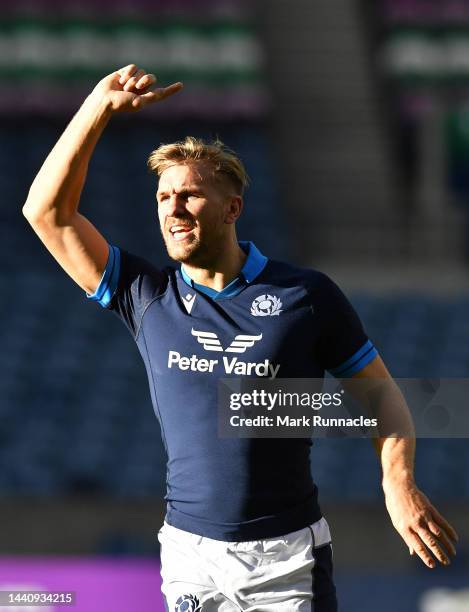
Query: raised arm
(52, 204)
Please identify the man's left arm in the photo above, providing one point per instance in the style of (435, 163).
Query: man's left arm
(418, 522)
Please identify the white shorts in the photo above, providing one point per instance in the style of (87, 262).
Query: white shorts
(291, 573)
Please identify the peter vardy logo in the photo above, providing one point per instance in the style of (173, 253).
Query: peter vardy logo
(266, 306)
(210, 341)
(231, 365)
(188, 603)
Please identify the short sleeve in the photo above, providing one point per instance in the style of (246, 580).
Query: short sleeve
(343, 346)
(128, 285)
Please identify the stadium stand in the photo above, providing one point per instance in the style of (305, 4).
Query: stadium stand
(82, 466)
(76, 420)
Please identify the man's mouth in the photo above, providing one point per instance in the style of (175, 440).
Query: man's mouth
(179, 232)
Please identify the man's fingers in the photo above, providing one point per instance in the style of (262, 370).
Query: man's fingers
(434, 545)
(147, 80)
(440, 533)
(165, 92)
(133, 80)
(444, 523)
(157, 95)
(413, 541)
(126, 73)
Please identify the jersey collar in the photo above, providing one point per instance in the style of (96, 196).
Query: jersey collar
(253, 266)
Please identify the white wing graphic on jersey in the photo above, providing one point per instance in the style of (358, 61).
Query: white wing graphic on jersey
(209, 340)
(241, 343)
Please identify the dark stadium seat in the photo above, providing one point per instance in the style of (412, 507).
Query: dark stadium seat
(75, 419)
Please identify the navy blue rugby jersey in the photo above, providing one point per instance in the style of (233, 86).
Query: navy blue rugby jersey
(292, 321)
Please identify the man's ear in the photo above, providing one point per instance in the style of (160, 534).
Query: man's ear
(233, 209)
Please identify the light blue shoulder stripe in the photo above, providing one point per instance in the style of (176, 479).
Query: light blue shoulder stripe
(357, 362)
(108, 283)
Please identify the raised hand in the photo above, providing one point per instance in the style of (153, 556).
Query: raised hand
(130, 89)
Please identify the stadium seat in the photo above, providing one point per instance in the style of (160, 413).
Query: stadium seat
(76, 419)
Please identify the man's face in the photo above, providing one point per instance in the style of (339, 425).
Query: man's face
(194, 212)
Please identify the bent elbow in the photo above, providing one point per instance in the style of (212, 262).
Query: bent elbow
(28, 212)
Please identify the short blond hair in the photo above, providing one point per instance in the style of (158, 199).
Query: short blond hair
(224, 161)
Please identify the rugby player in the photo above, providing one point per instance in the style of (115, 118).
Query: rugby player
(243, 528)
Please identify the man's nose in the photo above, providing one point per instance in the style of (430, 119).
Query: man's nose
(176, 205)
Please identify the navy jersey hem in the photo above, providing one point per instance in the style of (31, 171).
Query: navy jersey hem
(258, 529)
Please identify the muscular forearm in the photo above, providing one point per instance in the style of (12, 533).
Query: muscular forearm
(397, 460)
(396, 450)
(395, 445)
(52, 204)
(418, 522)
(56, 190)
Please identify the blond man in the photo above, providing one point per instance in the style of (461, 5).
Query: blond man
(243, 528)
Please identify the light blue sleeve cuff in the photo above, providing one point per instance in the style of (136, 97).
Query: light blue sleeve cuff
(357, 362)
(108, 283)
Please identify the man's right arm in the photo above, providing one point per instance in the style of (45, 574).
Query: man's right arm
(52, 204)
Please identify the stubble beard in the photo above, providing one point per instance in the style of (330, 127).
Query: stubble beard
(183, 253)
(195, 252)
(187, 251)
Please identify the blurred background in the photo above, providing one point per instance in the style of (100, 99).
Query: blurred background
(353, 121)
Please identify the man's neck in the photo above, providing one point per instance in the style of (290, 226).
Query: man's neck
(225, 269)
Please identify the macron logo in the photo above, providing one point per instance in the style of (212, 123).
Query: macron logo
(188, 302)
(211, 342)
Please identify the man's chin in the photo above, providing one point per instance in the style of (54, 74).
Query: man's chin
(182, 253)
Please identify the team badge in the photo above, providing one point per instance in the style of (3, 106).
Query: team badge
(266, 306)
(188, 603)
